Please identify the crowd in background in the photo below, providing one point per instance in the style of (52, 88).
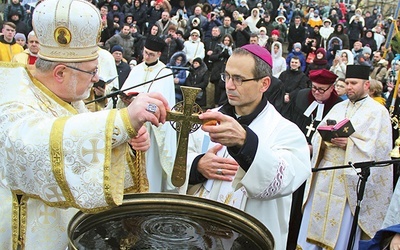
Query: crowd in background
(300, 38)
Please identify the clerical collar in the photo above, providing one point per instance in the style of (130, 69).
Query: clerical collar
(320, 110)
(362, 98)
(151, 64)
(228, 109)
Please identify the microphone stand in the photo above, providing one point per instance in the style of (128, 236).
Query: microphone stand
(363, 177)
(114, 94)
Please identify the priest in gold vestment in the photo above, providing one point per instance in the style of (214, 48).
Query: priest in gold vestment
(57, 157)
(331, 196)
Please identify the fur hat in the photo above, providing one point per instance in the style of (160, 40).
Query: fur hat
(67, 30)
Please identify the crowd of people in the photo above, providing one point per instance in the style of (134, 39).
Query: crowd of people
(263, 67)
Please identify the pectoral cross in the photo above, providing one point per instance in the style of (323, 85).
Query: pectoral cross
(310, 128)
(186, 121)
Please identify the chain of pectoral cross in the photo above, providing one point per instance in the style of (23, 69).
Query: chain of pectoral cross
(310, 127)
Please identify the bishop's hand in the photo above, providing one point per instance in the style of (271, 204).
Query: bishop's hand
(148, 107)
(212, 166)
(227, 132)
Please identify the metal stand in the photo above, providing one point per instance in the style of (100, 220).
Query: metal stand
(114, 94)
(363, 177)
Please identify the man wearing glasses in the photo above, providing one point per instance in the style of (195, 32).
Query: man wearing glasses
(57, 157)
(309, 107)
(160, 158)
(252, 158)
(332, 195)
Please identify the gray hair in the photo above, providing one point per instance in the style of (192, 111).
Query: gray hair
(44, 66)
(261, 68)
(32, 33)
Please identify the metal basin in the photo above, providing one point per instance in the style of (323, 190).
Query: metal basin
(168, 221)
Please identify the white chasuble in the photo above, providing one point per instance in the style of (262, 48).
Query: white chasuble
(281, 164)
(161, 155)
(332, 189)
(57, 161)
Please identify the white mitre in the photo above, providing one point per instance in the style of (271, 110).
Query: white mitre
(67, 30)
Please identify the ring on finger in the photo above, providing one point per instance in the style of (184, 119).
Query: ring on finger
(219, 172)
(152, 108)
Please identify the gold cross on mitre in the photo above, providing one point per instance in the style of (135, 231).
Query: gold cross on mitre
(184, 118)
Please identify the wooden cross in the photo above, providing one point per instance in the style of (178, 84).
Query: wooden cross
(186, 119)
(309, 129)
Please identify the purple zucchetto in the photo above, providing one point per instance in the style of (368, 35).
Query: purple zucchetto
(260, 52)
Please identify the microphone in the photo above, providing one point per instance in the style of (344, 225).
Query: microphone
(179, 68)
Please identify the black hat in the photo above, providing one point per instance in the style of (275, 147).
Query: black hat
(357, 71)
(117, 48)
(154, 43)
(198, 59)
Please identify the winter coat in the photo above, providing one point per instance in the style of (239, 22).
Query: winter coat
(180, 74)
(198, 78)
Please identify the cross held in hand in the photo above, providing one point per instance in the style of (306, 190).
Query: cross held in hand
(186, 120)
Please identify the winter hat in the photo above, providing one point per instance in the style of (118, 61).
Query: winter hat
(262, 29)
(20, 36)
(275, 32)
(117, 48)
(367, 50)
(297, 45)
(195, 31)
(198, 59)
(322, 51)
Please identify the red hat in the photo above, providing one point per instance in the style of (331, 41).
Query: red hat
(275, 32)
(322, 76)
(260, 52)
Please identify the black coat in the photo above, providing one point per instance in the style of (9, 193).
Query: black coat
(198, 78)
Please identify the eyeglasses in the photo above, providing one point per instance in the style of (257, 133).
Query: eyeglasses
(194, 35)
(149, 54)
(320, 90)
(93, 73)
(237, 80)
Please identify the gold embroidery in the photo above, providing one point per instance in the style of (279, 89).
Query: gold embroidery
(19, 221)
(128, 126)
(107, 157)
(15, 221)
(57, 158)
(137, 169)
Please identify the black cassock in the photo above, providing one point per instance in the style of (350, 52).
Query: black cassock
(303, 100)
